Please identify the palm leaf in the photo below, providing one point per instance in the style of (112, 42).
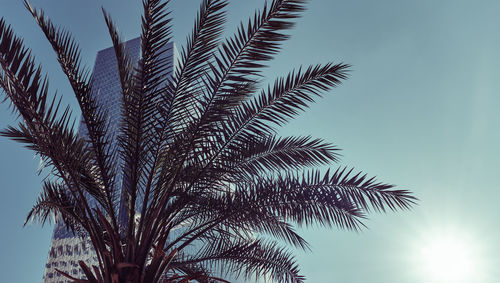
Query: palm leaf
(230, 79)
(194, 62)
(276, 153)
(275, 105)
(68, 55)
(139, 106)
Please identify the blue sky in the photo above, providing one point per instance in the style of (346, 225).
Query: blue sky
(419, 110)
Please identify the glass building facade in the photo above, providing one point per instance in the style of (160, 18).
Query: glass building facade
(66, 248)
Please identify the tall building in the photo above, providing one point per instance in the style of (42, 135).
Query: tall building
(66, 249)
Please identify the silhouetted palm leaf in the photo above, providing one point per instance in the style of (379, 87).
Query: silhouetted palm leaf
(96, 123)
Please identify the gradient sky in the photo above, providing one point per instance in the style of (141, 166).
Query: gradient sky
(419, 110)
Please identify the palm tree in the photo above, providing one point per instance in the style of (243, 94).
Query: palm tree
(199, 148)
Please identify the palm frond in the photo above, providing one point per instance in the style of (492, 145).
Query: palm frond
(20, 77)
(285, 99)
(297, 201)
(67, 154)
(22, 81)
(230, 80)
(274, 106)
(68, 54)
(244, 258)
(194, 62)
(240, 56)
(140, 109)
(313, 195)
(179, 110)
(367, 193)
(237, 213)
(124, 62)
(275, 153)
(53, 201)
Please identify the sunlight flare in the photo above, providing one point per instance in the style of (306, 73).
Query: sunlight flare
(449, 258)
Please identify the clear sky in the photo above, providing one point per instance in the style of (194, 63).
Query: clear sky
(420, 110)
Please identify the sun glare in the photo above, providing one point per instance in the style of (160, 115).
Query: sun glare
(449, 259)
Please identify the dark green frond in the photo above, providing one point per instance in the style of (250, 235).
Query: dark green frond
(50, 131)
(182, 97)
(247, 258)
(124, 62)
(239, 213)
(297, 200)
(274, 106)
(285, 99)
(194, 59)
(276, 153)
(367, 193)
(55, 201)
(140, 110)
(250, 258)
(241, 56)
(68, 155)
(68, 55)
(20, 77)
(143, 87)
(231, 78)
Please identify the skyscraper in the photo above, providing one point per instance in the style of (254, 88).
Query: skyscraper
(66, 249)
